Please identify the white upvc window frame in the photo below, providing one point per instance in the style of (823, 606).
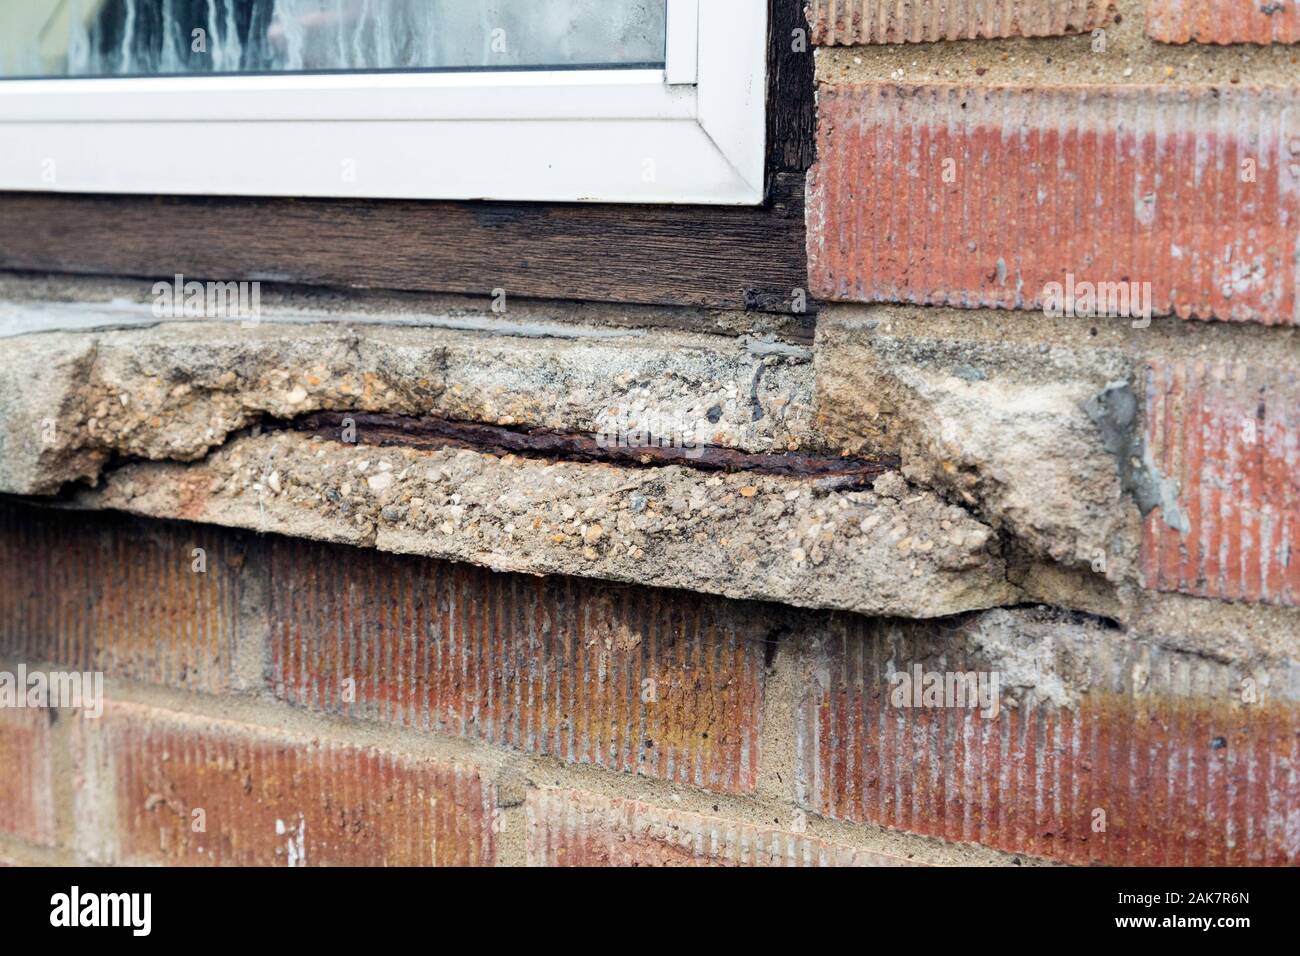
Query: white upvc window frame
(693, 132)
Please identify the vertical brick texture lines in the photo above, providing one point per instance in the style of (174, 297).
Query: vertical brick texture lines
(265, 798)
(26, 804)
(1155, 748)
(981, 196)
(1228, 435)
(853, 22)
(645, 681)
(1223, 21)
(97, 593)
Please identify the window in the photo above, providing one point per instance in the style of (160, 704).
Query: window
(658, 101)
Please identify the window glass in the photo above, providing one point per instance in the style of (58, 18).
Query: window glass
(100, 38)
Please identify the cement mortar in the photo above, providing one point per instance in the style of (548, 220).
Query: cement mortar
(1129, 56)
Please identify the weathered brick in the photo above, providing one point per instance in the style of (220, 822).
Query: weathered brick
(1228, 434)
(271, 798)
(102, 593)
(26, 776)
(577, 828)
(981, 196)
(852, 22)
(1223, 21)
(639, 680)
(1092, 722)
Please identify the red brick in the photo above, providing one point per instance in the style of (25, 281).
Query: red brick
(274, 799)
(1223, 21)
(545, 665)
(26, 776)
(852, 22)
(101, 593)
(577, 828)
(1185, 773)
(1229, 435)
(1109, 184)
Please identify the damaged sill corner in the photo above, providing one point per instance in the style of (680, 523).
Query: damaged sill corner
(793, 528)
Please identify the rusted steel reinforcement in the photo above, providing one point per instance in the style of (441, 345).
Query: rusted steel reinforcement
(434, 433)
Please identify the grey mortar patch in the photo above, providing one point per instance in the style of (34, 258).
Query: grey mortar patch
(1114, 410)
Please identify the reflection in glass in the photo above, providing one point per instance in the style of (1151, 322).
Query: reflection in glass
(64, 38)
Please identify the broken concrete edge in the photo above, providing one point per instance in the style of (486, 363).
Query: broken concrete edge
(535, 527)
(1008, 417)
(1227, 632)
(887, 552)
(1055, 658)
(73, 401)
(890, 549)
(187, 392)
(1035, 425)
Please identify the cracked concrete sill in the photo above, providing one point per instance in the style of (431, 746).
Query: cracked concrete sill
(1018, 471)
(162, 419)
(71, 402)
(890, 550)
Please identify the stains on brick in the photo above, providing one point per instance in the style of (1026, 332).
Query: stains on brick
(660, 683)
(981, 196)
(1223, 21)
(1105, 750)
(577, 828)
(26, 802)
(97, 592)
(268, 799)
(1229, 434)
(854, 22)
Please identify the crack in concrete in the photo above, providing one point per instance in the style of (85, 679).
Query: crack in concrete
(641, 450)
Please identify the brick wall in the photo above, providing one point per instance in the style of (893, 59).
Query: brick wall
(991, 175)
(407, 711)
(1002, 176)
